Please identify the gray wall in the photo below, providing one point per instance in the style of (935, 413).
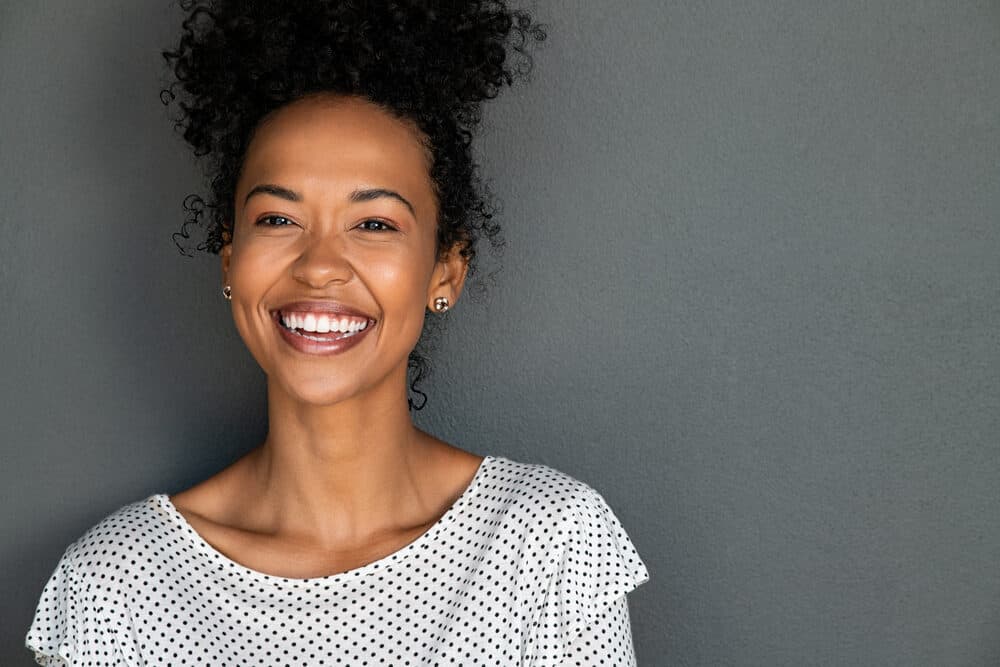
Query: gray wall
(750, 294)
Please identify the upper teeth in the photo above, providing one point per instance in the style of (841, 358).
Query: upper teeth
(322, 323)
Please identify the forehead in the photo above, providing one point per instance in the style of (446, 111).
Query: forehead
(337, 143)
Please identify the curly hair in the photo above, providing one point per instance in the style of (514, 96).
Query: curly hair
(432, 62)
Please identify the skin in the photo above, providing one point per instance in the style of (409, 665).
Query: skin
(343, 477)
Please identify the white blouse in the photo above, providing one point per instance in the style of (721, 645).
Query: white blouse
(528, 567)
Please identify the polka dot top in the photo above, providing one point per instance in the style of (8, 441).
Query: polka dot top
(528, 567)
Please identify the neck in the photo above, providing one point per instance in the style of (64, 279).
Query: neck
(334, 473)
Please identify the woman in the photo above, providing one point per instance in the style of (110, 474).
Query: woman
(345, 206)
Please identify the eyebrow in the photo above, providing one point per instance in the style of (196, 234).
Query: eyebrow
(375, 193)
(357, 196)
(276, 190)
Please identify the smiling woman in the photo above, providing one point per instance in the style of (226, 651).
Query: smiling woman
(339, 217)
(345, 208)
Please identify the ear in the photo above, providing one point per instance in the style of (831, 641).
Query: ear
(224, 253)
(448, 278)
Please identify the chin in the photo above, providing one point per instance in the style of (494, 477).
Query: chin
(316, 391)
(328, 389)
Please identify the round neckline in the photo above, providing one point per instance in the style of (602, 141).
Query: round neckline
(400, 554)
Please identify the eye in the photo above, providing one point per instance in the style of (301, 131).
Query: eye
(280, 221)
(379, 226)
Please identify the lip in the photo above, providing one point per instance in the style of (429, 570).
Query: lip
(332, 307)
(315, 347)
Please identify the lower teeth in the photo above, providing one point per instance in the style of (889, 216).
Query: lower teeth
(299, 332)
(323, 340)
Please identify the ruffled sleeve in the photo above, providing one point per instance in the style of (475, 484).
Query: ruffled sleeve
(608, 641)
(594, 565)
(67, 629)
(55, 630)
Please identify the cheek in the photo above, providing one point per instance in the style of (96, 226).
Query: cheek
(255, 267)
(400, 284)
(251, 272)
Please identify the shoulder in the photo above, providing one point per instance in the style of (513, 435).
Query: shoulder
(543, 493)
(568, 523)
(536, 485)
(107, 549)
(80, 611)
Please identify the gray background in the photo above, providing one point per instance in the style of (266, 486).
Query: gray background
(750, 295)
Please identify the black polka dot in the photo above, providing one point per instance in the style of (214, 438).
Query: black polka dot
(529, 566)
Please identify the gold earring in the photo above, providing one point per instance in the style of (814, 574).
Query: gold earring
(227, 292)
(441, 304)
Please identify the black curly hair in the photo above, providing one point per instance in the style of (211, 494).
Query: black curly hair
(432, 62)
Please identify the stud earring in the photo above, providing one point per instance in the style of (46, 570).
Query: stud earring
(441, 304)
(227, 292)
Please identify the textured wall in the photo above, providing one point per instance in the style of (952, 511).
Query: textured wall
(750, 294)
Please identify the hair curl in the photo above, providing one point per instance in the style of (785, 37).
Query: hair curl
(432, 62)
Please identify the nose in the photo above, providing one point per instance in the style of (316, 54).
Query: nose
(322, 260)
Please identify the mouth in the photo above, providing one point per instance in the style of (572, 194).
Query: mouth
(321, 333)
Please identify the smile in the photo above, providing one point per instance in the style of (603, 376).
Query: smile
(319, 333)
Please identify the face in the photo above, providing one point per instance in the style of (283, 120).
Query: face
(335, 227)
